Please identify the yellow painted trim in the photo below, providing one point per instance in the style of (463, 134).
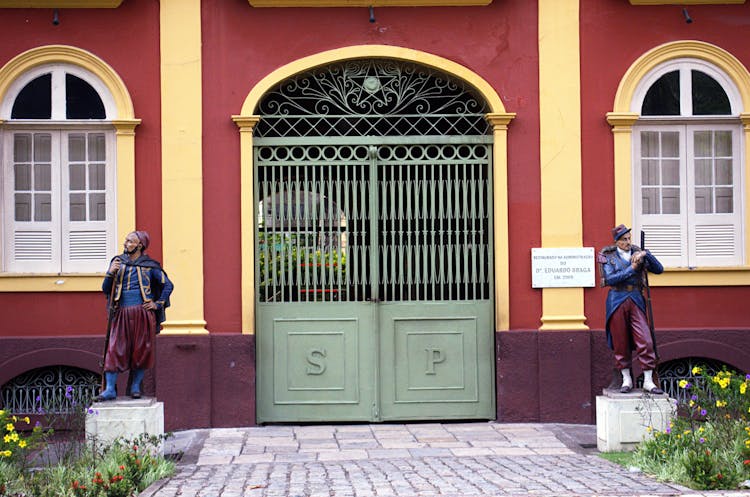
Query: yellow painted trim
(622, 120)
(712, 276)
(685, 2)
(66, 54)
(367, 3)
(560, 151)
(247, 212)
(745, 118)
(500, 122)
(181, 162)
(61, 4)
(125, 143)
(498, 118)
(676, 50)
(372, 51)
(184, 327)
(563, 321)
(51, 282)
(124, 125)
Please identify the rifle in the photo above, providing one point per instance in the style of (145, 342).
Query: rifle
(647, 288)
(110, 316)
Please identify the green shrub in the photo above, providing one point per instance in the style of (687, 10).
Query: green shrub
(121, 469)
(707, 444)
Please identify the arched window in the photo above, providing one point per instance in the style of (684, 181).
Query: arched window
(687, 168)
(58, 172)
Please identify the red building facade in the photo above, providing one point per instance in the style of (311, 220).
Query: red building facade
(561, 83)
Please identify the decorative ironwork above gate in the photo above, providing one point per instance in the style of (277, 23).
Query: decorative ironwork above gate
(371, 97)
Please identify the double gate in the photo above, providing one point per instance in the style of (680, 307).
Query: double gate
(374, 252)
(374, 282)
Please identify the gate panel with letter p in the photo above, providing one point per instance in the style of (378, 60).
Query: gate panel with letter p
(373, 262)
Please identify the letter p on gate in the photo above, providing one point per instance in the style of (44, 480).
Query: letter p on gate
(434, 356)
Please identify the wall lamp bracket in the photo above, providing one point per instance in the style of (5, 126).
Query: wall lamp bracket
(687, 17)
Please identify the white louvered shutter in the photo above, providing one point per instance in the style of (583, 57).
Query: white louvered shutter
(714, 200)
(31, 202)
(659, 202)
(88, 204)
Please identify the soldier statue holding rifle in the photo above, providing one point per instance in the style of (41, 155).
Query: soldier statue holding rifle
(624, 269)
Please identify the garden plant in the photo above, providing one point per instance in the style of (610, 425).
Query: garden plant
(707, 444)
(37, 460)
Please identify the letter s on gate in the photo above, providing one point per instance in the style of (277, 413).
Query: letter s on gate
(316, 358)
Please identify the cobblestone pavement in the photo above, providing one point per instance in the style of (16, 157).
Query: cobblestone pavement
(403, 460)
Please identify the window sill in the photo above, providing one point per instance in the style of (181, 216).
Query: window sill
(10, 282)
(704, 276)
(367, 3)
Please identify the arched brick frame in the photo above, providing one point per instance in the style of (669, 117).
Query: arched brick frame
(709, 349)
(48, 357)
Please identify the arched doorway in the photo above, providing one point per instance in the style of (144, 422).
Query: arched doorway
(374, 246)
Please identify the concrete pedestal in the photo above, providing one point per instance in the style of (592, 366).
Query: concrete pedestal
(622, 419)
(124, 418)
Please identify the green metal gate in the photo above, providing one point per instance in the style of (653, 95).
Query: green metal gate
(374, 259)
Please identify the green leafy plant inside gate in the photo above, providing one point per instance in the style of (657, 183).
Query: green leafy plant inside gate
(299, 267)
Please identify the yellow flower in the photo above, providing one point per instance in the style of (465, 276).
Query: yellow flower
(7, 453)
(691, 403)
(27, 420)
(10, 427)
(22, 443)
(697, 370)
(743, 388)
(15, 419)
(721, 403)
(2, 412)
(6, 438)
(683, 383)
(14, 437)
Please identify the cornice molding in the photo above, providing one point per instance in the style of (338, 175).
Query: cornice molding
(368, 3)
(685, 2)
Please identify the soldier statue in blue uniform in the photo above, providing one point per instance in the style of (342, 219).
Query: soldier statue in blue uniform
(623, 267)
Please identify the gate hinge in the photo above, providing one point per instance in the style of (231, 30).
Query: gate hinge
(375, 412)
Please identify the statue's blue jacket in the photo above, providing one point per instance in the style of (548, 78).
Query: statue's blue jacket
(624, 281)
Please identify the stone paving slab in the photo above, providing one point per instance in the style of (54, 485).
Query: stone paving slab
(492, 460)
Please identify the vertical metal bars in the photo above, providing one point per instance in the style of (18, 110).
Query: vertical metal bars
(411, 218)
(313, 231)
(434, 222)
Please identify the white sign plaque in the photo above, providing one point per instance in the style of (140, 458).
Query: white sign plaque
(562, 267)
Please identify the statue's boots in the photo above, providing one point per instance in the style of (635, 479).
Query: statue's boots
(135, 387)
(109, 393)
